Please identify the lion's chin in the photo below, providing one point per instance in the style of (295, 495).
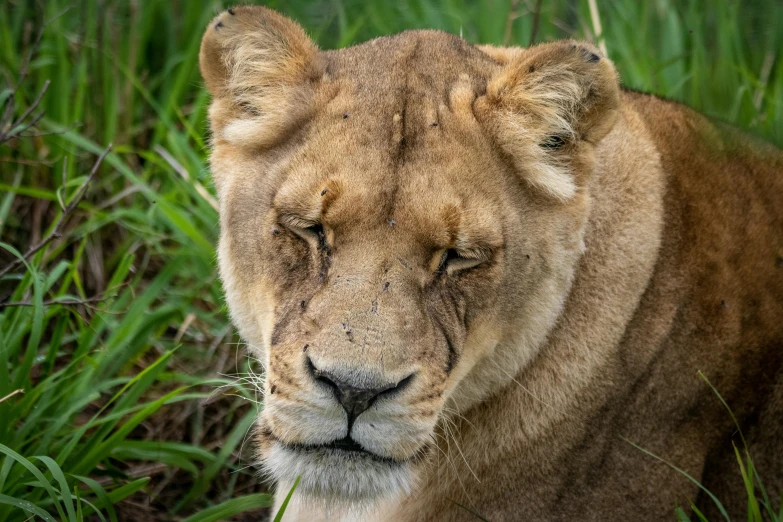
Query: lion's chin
(338, 476)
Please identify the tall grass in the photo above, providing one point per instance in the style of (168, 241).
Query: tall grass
(114, 336)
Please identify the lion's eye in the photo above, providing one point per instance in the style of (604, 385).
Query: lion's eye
(453, 260)
(312, 233)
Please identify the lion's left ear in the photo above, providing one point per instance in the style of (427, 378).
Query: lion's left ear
(547, 107)
(260, 68)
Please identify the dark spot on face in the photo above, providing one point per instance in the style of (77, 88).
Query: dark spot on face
(276, 231)
(231, 11)
(272, 389)
(527, 256)
(346, 115)
(374, 306)
(391, 222)
(433, 124)
(553, 142)
(303, 305)
(723, 303)
(305, 347)
(218, 25)
(780, 260)
(531, 69)
(324, 191)
(386, 286)
(593, 58)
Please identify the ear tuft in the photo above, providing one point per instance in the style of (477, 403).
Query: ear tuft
(258, 66)
(549, 104)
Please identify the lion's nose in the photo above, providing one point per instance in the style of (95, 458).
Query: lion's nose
(354, 399)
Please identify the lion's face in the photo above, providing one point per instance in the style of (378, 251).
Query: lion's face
(381, 252)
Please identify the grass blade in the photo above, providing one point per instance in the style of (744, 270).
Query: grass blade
(232, 507)
(686, 475)
(284, 505)
(27, 506)
(103, 497)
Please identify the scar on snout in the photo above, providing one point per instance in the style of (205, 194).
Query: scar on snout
(276, 231)
(433, 124)
(404, 263)
(346, 115)
(305, 347)
(218, 25)
(391, 222)
(324, 191)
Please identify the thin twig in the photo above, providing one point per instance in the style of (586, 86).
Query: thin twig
(536, 20)
(182, 171)
(65, 302)
(56, 230)
(19, 132)
(15, 392)
(8, 159)
(512, 15)
(10, 101)
(7, 128)
(8, 112)
(12, 132)
(49, 133)
(595, 17)
(145, 470)
(766, 69)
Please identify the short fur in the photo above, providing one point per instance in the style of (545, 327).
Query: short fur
(538, 260)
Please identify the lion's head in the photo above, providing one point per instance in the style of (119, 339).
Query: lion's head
(400, 224)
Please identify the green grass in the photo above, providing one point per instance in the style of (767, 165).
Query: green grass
(760, 508)
(119, 336)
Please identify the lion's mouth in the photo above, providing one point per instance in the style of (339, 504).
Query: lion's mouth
(346, 446)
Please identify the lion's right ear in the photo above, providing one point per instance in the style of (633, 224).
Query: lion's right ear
(548, 106)
(260, 68)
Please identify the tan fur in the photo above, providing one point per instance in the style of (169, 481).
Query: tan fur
(600, 247)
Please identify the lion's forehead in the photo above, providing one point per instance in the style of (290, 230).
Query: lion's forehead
(410, 63)
(380, 138)
(392, 89)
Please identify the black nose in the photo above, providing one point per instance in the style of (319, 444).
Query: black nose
(353, 399)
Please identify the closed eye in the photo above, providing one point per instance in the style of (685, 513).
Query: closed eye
(453, 260)
(311, 232)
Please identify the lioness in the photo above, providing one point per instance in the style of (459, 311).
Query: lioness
(474, 274)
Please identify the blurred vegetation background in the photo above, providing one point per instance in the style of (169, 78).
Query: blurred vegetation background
(124, 392)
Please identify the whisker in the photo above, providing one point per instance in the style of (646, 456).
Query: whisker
(460, 450)
(534, 396)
